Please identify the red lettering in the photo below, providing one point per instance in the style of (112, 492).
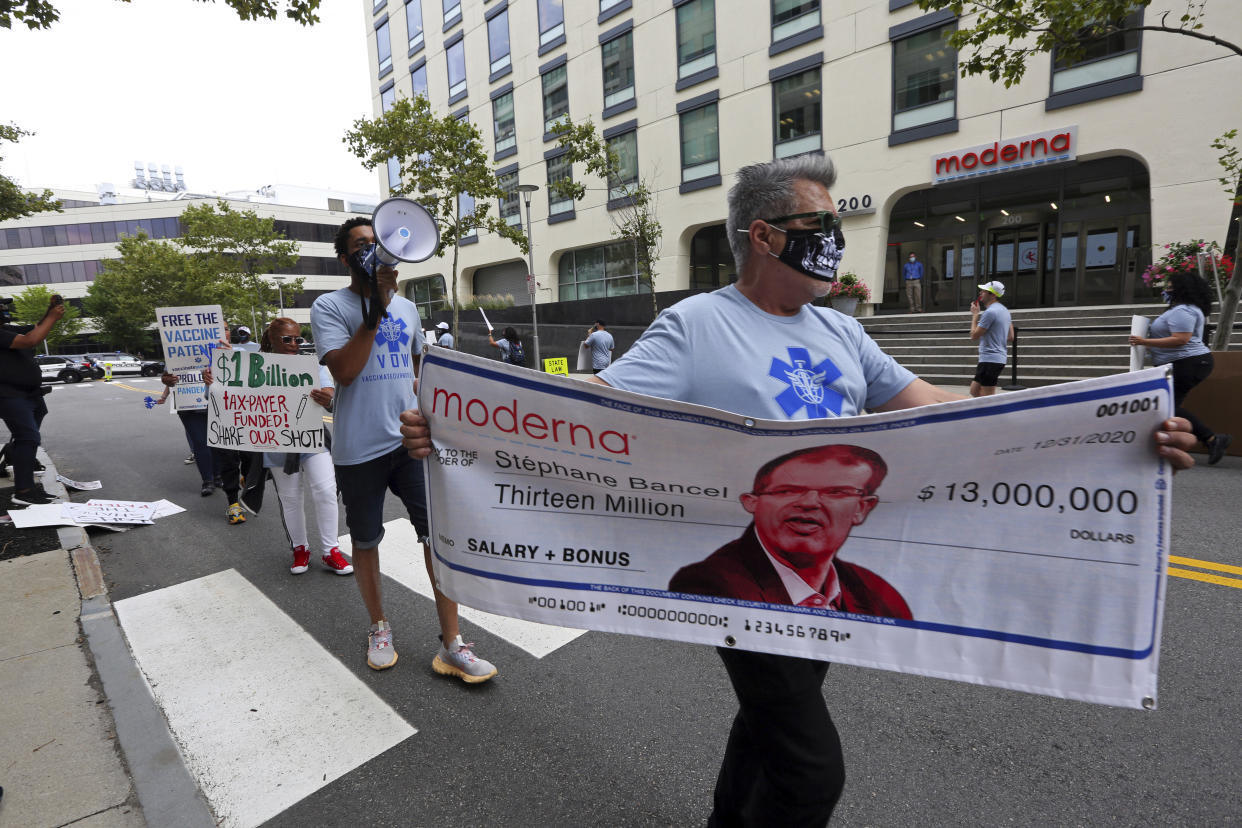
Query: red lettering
(506, 418)
(1022, 150)
(574, 428)
(623, 446)
(983, 156)
(969, 161)
(1042, 142)
(470, 407)
(539, 424)
(1009, 152)
(439, 394)
(1063, 139)
(512, 412)
(947, 164)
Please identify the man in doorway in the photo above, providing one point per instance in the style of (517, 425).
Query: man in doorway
(600, 343)
(912, 275)
(992, 328)
(375, 365)
(804, 505)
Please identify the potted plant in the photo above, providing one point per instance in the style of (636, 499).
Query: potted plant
(1183, 257)
(846, 292)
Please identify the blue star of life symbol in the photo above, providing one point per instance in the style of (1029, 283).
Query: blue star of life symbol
(392, 331)
(807, 385)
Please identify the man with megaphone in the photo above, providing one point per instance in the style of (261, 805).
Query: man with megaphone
(370, 339)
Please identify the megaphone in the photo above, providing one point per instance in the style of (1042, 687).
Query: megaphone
(405, 231)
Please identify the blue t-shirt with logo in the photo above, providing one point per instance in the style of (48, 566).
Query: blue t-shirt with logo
(718, 349)
(366, 418)
(993, 344)
(601, 345)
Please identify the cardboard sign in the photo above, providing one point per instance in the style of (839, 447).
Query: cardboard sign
(556, 365)
(188, 335)
(261, 402)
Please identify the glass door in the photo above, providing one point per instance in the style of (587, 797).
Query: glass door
(1100, 278)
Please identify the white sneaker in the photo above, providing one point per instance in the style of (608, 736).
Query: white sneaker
(380, 653)
(458, 659)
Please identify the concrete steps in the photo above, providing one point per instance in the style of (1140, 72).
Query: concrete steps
(1054, 344)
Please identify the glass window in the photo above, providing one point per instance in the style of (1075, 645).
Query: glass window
(789, 17)
(618, 69)
(456, 55)
(551, 21)
(797, 101)
(465, 207)
(606, 270)
(387, 98)
(555, 96)
(700, 143)
(383, 47)
(418, 81)
(1115, 55)
(452, 11)
(414, 23)
(696, 37)
(504, 127)
(605, 5)
(498, 41)
(429, 295)
(559, 169)
(510, 205)
(625, 146)
(924, 78)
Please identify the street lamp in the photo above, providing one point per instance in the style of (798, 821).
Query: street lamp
(280, 293)
(526, 190)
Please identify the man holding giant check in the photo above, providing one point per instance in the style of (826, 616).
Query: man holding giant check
(760, 349)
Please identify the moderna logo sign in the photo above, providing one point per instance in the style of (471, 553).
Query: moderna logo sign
(1051, 147)
(508, 418)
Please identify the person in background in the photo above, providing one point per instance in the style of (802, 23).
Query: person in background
(21, 397)
(290, 471)
(1176, 339)
(912, 275)
(242, 340)
(600, 343)
(443, 338)
(992, 328)
(510, 345)
(194, 423)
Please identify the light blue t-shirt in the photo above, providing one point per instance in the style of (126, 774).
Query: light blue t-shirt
(1178, 319)
(993, 344)
(445, 340)
(366, 421)
(718, 349)
(601, 345)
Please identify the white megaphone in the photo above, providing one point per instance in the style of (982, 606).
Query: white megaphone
(404, 232)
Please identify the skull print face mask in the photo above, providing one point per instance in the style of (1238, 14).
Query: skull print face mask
(813, 253)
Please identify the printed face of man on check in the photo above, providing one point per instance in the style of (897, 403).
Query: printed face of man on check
(804, 505)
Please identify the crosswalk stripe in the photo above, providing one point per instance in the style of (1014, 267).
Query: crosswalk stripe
(401, 558)
(236, 677)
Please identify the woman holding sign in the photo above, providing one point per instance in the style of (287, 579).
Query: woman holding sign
(291, 471)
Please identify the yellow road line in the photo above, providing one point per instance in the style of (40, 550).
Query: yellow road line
(116, 384)
(1236, 583)
(1219, 567)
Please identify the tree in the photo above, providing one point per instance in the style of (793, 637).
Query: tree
(242, 245)
(31, 305)
(1005, 34)
(13, 202)
(40, 14)
(441, 160)
(635, 217)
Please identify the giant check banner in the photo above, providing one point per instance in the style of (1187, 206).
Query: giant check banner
(1018, 541)
(188, 334)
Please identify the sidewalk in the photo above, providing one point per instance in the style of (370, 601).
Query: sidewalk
(81, 739)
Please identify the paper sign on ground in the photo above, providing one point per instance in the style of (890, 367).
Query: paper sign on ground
(261, 402)
(83, 485)
(1018, 540)
(188, 335)
(110, 511)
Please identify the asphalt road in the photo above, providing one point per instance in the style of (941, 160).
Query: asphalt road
(614, 730)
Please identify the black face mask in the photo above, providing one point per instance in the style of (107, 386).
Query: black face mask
(813, 253)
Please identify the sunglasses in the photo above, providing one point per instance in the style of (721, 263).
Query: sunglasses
(291, 339)
(829, 221)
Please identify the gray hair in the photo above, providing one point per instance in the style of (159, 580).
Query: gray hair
(765, 191)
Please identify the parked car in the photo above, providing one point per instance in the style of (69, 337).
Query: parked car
(152, 367)
(96, 368)
(65, 369)
(121, 363)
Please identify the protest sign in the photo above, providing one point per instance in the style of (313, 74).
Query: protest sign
(261, 402)
(1018, 540)
(556, 365)
(188, 335)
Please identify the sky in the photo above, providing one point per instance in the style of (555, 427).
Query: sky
(238, 105)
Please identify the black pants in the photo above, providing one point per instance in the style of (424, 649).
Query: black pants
(23, 415)
(1187, 373)
(195, 425)
(783, 764)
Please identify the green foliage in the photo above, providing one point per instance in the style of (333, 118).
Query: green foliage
(1231, 160)
(31, 305)
(849, 286)
(488, 302)
(13, 202)
(40, 14)
(441, 159)
(636, 219)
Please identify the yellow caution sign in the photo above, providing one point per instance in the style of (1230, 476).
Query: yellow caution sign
(556, 365)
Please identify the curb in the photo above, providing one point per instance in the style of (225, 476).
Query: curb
(167, 793)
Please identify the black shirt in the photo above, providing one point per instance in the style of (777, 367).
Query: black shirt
(19, 373)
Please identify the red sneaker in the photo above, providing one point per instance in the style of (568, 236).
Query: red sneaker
(335, 561)
(301, 560)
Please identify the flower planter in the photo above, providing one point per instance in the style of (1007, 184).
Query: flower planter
(845, 304)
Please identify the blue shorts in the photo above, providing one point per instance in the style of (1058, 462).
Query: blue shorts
(362, 488)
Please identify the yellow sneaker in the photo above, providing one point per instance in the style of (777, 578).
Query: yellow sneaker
(235, 515)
